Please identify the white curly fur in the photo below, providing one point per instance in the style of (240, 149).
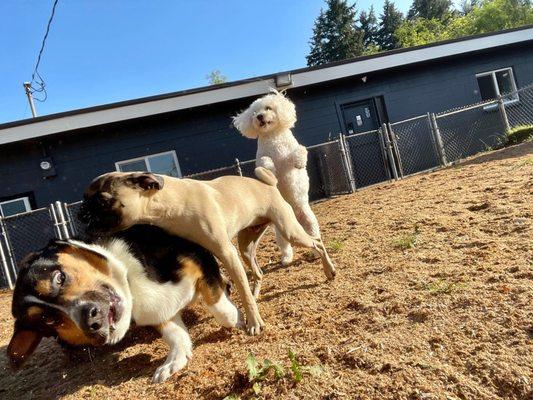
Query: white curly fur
(270, 119)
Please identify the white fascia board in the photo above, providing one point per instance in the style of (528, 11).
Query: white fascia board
(92, 118)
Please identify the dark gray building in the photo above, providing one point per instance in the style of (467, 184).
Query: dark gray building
(54, 157)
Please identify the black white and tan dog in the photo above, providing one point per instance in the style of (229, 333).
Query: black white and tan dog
(209, 213)
(88, 294)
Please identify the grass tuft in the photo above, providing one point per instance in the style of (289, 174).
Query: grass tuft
(336, 245)
(442, 286)
(522, 133)
(527, 161)
(408, 240)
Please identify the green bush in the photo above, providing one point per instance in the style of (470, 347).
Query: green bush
(519, 134)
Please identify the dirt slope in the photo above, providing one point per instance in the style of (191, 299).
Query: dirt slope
(433, 300)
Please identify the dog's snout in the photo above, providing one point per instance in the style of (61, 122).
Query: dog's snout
(260, 117)
(93, 317)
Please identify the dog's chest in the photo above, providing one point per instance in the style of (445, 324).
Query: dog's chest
(277, 147)
(155, 302)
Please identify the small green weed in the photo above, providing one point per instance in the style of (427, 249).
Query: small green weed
(336, 245)
(442, 286)
(232, 397)
(258, 373)
(527, 161)
(408, 240)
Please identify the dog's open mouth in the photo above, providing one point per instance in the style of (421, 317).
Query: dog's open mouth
(263, 123)
(115, 309)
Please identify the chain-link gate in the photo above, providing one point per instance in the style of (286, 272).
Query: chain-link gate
(368, 157)
(416, 146)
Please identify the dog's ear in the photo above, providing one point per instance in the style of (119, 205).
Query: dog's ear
(147, 181)
(243, 123)
(29, 259)
(22, 345)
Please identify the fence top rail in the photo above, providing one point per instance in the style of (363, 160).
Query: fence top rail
(409, 119)
(362, 133)
(466, 108)
(322, 144)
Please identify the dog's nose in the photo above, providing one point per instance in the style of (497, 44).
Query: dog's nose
(93, 317)
(260, 117)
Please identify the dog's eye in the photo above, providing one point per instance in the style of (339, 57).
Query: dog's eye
(268, 108)
(58, 278)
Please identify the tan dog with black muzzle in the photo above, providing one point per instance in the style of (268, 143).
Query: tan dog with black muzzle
(209, 213)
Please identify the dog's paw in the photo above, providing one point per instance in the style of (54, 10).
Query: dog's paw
(268, 163)
(255, 327)
(287, 257)
(169, 368)
(299, 157)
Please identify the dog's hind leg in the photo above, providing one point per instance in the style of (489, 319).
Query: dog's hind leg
(175, 334)
(248, 240)
(285, 220)
(287, 253)
(308, 220)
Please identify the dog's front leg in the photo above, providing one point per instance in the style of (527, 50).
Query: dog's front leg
(266, 162)
(175, 334)
(230, 258)
(298, 158)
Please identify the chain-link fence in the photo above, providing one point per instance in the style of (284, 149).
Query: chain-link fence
(336, 167)
(520, 107)
(471, 130)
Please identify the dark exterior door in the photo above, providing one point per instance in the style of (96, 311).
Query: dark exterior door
(360, 117)
(361, 123)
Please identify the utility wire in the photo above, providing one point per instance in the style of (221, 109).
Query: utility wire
(37, 83)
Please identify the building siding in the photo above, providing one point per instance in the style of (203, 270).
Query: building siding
(204, 139)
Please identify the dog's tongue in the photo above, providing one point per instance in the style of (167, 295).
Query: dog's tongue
(112, 314)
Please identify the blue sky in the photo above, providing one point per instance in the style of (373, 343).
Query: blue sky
(102, 51)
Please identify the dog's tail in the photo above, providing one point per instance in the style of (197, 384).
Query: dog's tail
(266, 176)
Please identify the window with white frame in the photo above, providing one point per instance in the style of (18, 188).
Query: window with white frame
(500, 82)
(14, 206)
(161, 163)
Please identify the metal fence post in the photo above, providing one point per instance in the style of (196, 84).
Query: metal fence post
(58, 218)
(390, 154)
(3, 259)
(503, 113)
(438, 138)
(346, 162)
(395, 149)
(10, 259)
(238, 166)
(384, 154)
(63, 224)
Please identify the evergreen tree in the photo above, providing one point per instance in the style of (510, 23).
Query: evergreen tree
(430, 9)
(335, 35)
(369, 25)
(390, 20)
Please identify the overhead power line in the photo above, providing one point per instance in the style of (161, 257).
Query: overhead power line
(37, 83)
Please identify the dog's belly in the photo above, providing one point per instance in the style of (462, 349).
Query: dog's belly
(155, 303)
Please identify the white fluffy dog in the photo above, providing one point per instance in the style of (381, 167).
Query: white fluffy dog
(270, 119)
